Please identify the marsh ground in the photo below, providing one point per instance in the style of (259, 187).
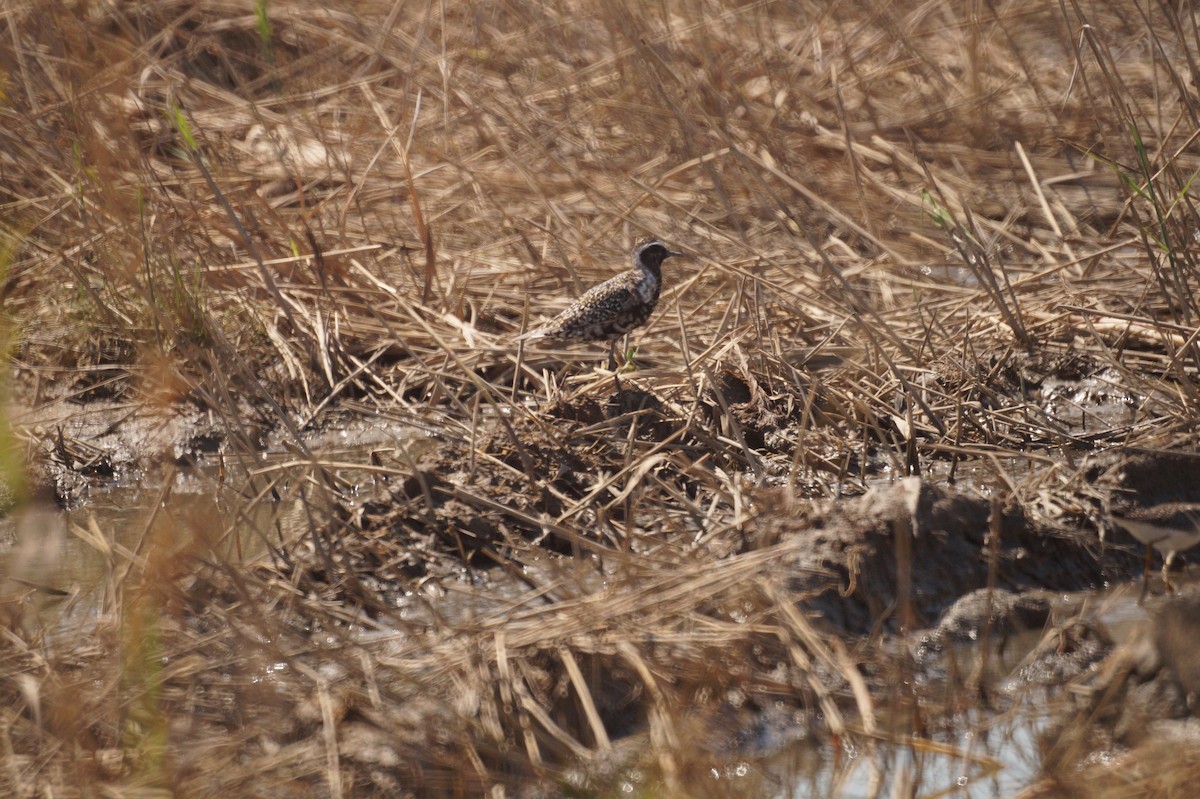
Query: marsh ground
(938, 319)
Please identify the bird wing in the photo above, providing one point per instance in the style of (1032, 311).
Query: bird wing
(616, 296)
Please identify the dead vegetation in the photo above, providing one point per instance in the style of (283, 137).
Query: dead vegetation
(922, 240)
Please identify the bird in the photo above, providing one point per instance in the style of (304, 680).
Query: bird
(609, 310)
(1169, 527)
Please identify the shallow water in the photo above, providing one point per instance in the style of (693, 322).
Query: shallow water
(975, 763)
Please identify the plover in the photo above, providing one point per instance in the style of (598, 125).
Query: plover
(1169, 527)
(607, 311)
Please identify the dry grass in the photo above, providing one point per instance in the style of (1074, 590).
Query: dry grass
(898, 215)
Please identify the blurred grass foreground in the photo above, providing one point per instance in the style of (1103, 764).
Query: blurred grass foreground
(936, 240)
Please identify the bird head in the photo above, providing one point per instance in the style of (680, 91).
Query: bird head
(651, 254)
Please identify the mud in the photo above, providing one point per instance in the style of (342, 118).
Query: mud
(1143, 692)
(478, 505)
(860, 551)
(905, 566)
(80, 451)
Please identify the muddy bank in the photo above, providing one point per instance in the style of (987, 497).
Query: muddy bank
(582, 576)
(900, 556)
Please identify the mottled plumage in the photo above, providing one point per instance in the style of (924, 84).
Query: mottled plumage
(1169, 527)
(611, 309)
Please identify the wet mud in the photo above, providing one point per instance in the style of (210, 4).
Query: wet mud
(909, 570)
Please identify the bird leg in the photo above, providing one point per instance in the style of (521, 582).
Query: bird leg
(612, 365)
(1145, 575)
(1166, 572)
